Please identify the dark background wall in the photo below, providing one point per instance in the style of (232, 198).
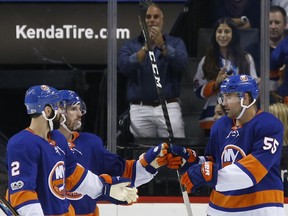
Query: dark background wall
(74, 63)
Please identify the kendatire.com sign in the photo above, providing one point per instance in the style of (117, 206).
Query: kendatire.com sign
(53, 33)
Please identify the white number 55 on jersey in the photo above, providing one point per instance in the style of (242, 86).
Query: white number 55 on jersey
(270, 143)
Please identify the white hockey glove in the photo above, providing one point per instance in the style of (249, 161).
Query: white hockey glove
(117, 190)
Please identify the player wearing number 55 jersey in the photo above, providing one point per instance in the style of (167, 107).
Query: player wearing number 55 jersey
(242, 157)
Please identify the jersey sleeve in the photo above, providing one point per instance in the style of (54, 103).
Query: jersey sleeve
(112, 164)
(279, 55)
(22, 166)
(266, 151)
(202, 87)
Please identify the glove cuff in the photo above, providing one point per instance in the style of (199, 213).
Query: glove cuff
(192, 156)
(147, 166)
(105, 179)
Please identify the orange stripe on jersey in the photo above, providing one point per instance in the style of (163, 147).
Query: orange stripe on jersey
(254, 167)
(71, 142)
(128, 169)
(22, 197)
(247, 200)
(73, 179)
(209, 158)
(208, 89)
(75, 135)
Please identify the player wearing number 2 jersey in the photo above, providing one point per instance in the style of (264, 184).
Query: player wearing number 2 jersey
(242, 157)
(41, 167)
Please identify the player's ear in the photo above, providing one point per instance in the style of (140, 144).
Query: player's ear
(247, 98)
(48, 110)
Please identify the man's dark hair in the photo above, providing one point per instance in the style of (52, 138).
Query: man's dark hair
(276, 8)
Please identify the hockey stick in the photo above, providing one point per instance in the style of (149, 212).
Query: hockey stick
(143, 6)
(6, 207)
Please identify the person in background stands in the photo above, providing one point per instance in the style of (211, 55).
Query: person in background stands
(225, 57)
(244, 13)
(218, 112)
(278, 22)
(242, 158)
(171, 56)
(280, 111)
(278, 58)
(91, 154)
(281, 3)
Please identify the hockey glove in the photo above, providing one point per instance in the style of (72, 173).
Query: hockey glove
(154, 158)
(200, 174)
(117, 190)
(181, 158)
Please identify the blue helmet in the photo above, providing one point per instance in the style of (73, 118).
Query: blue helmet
(37, 97)
(240, 84)
(70, 98)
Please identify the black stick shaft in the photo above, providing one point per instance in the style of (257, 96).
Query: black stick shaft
(143, 5)
(5, 203)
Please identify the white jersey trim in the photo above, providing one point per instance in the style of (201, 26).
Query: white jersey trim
(34, 209)
(266, 211)
(142, 176)
(232, 177)
(91, 186)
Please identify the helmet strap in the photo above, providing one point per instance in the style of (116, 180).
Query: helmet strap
(50, 121)
(244, 107)
(64, 125)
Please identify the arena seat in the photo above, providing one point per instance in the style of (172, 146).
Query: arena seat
(191, 105)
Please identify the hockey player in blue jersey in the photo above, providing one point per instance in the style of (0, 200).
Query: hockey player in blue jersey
(242, 157)
(41, 167)
(92, 155)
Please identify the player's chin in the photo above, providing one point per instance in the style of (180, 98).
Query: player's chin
(229, 114)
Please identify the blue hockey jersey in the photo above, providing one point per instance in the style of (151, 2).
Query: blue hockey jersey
(40, 171)
(248, 162)
(91, 154)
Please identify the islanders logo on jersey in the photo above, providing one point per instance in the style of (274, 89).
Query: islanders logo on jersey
(56, 180)
(231, 154)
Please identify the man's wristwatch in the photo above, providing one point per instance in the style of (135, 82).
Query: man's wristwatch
(145, 48)
(163, 47)
(244, 19)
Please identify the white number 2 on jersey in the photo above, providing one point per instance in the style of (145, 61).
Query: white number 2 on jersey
(270, 143)
(15, 168)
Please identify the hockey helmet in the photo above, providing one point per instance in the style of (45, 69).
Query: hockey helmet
(72, 99)
(240, 84)
(37, 97)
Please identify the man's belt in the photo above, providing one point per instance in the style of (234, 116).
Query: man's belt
(153, 103)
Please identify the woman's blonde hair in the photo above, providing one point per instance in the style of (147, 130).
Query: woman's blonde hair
(280, 110)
